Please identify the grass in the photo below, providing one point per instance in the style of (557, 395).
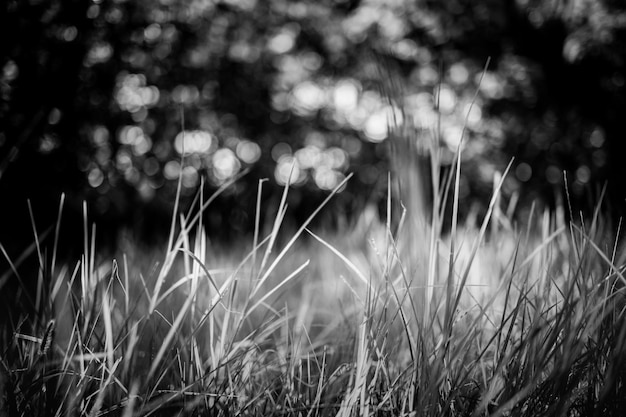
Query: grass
(392, 318)
(478, 322)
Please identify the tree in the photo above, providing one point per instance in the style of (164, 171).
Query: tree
(266, 85)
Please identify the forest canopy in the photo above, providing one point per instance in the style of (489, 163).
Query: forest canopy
(95, 96)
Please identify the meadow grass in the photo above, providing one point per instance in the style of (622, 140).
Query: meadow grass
(392, 318)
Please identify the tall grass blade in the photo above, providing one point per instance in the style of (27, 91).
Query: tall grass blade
(299, 232)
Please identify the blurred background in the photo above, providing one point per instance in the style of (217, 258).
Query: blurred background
(94, 96)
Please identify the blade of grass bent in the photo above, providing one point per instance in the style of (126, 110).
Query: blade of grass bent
(453, 236)
(602, 255)
(277, 287)
(282, 209)
(302, 228)
(341, 256)
(95, 410)
(190, 224)
(202, 265)
(174, 329)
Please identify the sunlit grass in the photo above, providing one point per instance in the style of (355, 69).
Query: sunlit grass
(372, 321)
(392, 317)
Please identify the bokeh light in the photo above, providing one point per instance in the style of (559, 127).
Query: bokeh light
(323, 87)
(225, 164)
(133, 94)
(248, 151)
(288, 170)
(194, 141)
(308, 97)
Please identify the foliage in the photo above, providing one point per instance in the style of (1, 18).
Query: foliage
(94, 93)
